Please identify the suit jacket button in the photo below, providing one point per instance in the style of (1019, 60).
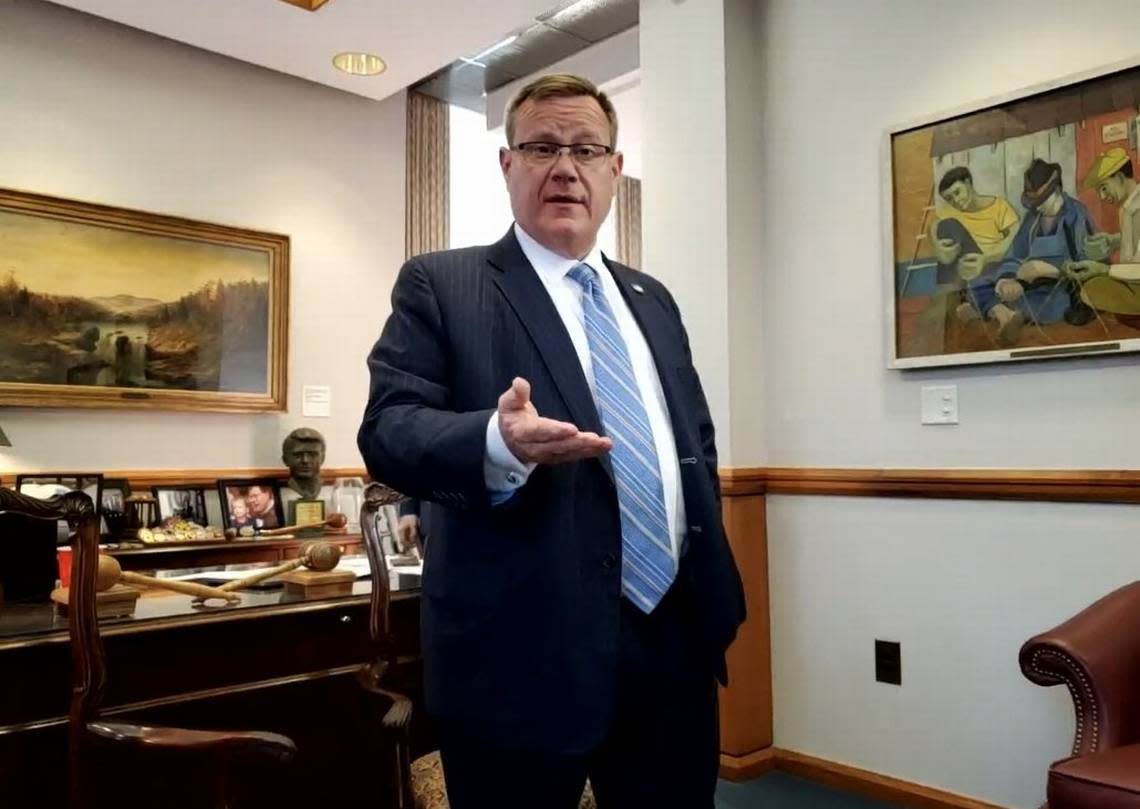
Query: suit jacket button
(608, 561)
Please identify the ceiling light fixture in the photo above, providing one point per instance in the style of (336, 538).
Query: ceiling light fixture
(359, 64)
(308, 5)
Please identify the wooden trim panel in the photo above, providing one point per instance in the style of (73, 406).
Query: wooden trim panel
(1071, 485)
(748, 766)
(746, 704)
(1065, 485)
(143, 479)
(850, 779)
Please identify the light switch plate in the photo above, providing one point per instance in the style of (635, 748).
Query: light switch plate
(316, 401)
(940, 404)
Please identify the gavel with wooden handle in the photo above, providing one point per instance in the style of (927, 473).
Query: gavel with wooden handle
(314, 555)
(110, 573)
(334, 520)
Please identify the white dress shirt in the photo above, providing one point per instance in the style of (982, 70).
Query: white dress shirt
(503, 472)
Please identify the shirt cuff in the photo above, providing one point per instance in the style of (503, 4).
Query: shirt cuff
(503, 473)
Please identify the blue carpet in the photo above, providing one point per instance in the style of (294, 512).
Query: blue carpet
(778, 790)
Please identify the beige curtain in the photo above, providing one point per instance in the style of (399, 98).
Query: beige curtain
(629, 221)
(426, 221)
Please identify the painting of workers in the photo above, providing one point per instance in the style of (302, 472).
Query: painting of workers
(1016, 228)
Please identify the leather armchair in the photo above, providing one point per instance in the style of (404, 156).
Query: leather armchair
(1096, 655)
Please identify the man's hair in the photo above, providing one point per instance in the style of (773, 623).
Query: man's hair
(958, 174)
(561, 85)
(1126, 169)
(302, 434)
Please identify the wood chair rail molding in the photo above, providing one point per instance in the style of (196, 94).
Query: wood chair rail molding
(143, 479)
(1064, 485)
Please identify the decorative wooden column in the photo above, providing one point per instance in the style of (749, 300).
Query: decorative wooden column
(746, 704)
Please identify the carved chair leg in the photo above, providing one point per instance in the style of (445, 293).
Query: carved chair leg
(405, 798)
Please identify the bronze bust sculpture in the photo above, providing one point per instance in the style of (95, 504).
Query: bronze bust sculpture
(303, 451)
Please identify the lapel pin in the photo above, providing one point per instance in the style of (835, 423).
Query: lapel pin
(638, 288)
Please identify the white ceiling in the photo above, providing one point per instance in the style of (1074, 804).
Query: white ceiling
(415, 37)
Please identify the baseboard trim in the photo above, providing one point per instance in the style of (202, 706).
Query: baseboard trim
(746, 767)
(852, 779)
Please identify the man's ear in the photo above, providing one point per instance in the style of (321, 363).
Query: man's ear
(504, 159)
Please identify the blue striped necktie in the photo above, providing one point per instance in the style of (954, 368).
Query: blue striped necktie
(647, 565)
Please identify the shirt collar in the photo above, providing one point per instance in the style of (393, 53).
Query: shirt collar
(549, 265)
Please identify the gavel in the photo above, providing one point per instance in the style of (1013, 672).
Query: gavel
(314, 555)
(110, 573)
(334, 520)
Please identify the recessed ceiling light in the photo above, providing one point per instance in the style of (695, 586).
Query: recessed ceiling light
(359, 64)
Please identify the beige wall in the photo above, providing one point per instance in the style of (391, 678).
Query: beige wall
(762, 213)
(961, 584)
(684, 168)
(95, 111)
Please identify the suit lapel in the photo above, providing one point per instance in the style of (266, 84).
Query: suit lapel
(521, 286)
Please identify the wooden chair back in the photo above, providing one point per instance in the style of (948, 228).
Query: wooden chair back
(173, 746)
(394, 709)
(89, 665)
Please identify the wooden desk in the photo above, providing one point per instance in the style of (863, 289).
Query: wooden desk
(160, 556)
(273, 662)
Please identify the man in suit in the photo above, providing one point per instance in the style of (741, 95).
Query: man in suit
(578, 591)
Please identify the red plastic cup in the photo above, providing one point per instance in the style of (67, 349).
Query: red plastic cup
(64, 555)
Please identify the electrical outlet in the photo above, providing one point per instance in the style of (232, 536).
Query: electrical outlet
(888, 662)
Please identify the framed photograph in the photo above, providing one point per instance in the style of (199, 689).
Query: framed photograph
(114, 504)
(253, 503)
(1013, 226)
(48, 484)
(114, 495)
(109, 307)
(181, 502)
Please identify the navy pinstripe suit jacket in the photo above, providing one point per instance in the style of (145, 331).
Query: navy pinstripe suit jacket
(520, 611)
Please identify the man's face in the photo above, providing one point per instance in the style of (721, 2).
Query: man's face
(258, 499)
(959, 194)
(304, 458)
(1114, 189)
(560, 203)
(1052, 204)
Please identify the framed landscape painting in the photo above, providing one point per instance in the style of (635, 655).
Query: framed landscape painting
(108, 307)
(1013, 226)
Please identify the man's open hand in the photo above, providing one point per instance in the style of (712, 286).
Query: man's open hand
(534, 439)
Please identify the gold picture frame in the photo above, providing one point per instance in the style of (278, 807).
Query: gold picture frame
(112, 307)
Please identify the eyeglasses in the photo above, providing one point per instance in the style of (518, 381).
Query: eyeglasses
(540, 152)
